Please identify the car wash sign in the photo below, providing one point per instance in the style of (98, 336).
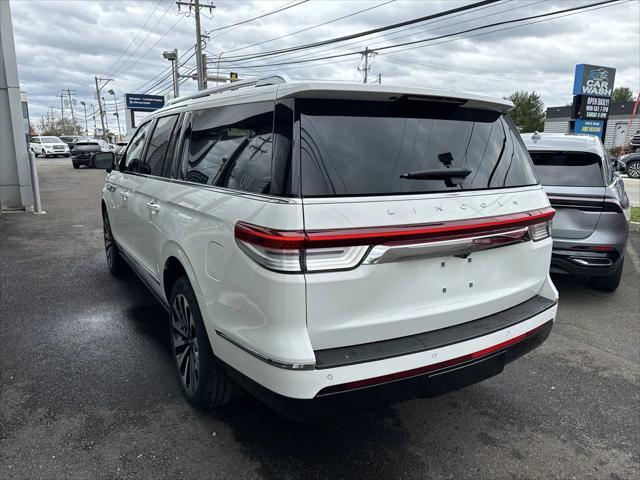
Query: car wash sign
(593, 80)
(592, 89)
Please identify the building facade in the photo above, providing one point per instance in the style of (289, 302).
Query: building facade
(557, 121)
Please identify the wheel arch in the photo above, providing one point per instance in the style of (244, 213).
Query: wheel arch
(176, 264)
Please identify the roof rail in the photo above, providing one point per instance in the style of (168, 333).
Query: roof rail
(252, 82)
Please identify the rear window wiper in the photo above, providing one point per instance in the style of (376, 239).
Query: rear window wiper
(451, 176)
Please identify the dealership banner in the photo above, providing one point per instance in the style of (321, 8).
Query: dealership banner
(141, 101)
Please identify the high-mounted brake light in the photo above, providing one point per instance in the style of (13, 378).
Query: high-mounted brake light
(340, 249)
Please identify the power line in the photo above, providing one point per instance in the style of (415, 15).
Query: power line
(288, 57)
(258, 17)
(142, 41)
(134, 38)
(505, 22)
(367, 32)
(311, 28)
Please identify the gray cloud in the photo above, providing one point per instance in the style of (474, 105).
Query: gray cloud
(63, 44)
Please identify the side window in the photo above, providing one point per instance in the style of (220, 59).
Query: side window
(168, 170)
(158, 145)
(221, 135)
(133, 156)
(35, 140)
(252, 169)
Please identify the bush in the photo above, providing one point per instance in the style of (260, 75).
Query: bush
(616, 151)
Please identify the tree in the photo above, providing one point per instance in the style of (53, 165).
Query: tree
(56, 126)
(528, 113)
(622, 95)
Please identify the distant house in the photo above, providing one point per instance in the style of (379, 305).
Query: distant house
(557, 121)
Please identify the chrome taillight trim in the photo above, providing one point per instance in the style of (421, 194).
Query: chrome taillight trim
(459, 246)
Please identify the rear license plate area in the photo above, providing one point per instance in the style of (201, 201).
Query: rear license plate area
(455, 378)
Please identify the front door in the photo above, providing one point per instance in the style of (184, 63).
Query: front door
(147, 206)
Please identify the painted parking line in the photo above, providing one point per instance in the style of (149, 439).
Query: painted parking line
(634, 257)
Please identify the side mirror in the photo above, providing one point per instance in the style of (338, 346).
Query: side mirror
(103, 160)
(620, 166)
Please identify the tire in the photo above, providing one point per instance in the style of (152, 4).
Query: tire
(609, 283)
(203, 382)
(115, 262)
(75, 165)
(633, 169)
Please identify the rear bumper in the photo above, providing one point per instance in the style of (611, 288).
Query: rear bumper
(338, 384)
(81, 160)
(591, 264)
(432, 383)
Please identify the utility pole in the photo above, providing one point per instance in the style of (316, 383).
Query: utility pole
(95, 126)
(365, 55)
(62, 125)
(195, 6)
(98, 88)
(73, 117)
(379, 79)
(106, 119)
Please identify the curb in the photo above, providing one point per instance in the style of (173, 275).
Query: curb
(634, 226)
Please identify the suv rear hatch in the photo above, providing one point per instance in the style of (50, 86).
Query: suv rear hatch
(418, 214)
(574, 182)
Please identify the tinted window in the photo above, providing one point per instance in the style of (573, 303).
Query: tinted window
(362, 148)
(86, 147)
(571, 169)
(220, 135)
(133, 155)
(158, 145)
(252, 169)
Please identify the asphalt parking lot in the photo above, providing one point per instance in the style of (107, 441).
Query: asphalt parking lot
(88, 389)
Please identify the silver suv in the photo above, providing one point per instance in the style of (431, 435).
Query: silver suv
(590, 229)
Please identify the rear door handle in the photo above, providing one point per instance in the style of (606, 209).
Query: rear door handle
(124, 195)
(154, 207)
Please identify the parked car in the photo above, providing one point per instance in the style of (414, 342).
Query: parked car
(325, 244)
(590, 229)
(634, 142)
(631, 162)
(83, 151)
(48, 146)
(71, 140)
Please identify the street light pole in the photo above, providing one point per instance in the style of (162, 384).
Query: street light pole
(117, 114)
(86, 124)
(172, 55)
(95, 125)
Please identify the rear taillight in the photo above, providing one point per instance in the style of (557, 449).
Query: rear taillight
(295, 251)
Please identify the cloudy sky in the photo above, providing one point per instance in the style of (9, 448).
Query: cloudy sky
(64, 44)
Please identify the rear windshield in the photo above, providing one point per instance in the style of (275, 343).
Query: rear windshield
(363, 147)
(571, 169)
(86, 147)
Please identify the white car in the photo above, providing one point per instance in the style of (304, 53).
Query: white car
(48, 146)
(332, 244)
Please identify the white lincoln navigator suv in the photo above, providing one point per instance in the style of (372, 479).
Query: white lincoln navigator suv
(320, 243)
